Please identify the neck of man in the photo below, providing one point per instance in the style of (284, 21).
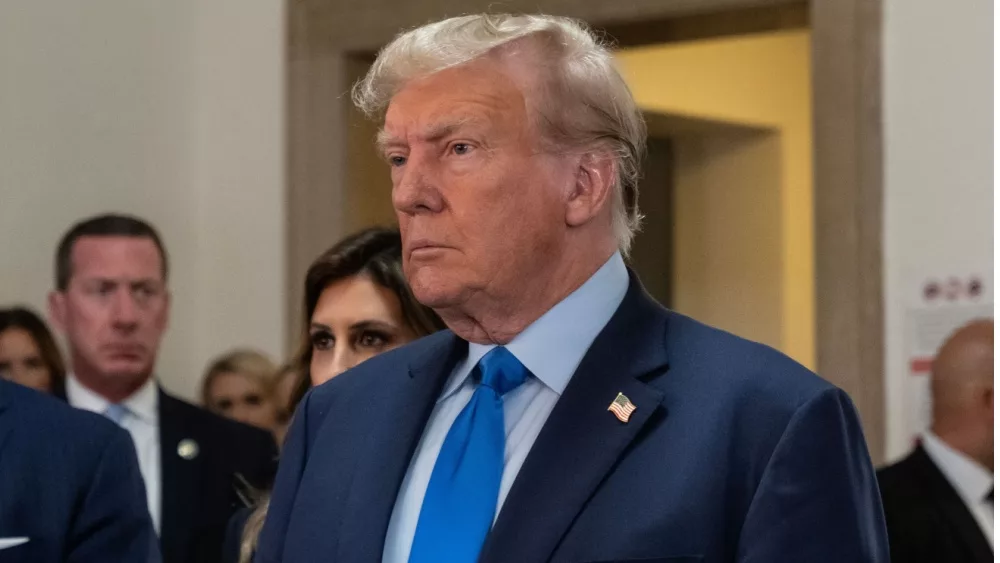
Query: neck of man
(115, 388)
(961, 438)
(498, 319)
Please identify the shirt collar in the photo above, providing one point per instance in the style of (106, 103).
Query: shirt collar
(970, 479)
(553, 346)
(142, 404)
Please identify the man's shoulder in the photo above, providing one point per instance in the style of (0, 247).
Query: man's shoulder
(208, 425)
(47, 417)
(379, 370)
(902, 478)
(45, 428)
(900, 467)
(721, 358)
(403, 357)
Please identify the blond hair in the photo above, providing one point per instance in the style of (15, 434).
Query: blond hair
(251, 531)
(587, 104)
(250, 363)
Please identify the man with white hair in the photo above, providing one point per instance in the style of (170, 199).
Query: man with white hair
(565, 416)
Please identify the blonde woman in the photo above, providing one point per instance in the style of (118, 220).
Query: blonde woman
(240, 385)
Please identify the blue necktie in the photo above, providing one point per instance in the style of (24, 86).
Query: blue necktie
(116, 413)
(461, 497)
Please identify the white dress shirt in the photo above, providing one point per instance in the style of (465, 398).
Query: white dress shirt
(551, 348)
(971, 480)
(142, 420)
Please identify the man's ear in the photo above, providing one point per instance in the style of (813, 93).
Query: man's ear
(593, 188)
(57, 310)
(166, 309)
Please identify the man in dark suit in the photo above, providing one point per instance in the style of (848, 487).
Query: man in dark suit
(939, 500)
(565, 416)
(70, 488)
(112, 304)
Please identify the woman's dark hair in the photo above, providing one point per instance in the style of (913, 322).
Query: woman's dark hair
(24, 319)
(377, 253)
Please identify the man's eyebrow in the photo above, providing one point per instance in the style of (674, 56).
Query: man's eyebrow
(384, 140)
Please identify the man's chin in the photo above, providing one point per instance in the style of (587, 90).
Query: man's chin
(435, 292)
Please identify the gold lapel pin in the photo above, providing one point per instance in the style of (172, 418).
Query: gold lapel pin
(622, 407)
(187, 449)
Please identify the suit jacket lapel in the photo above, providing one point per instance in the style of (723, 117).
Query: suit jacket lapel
(956, 512)
(180, 480)
(395, 431)
(581, 434)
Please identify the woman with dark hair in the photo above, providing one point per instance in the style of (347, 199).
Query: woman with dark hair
(357, 304)
(28, 353)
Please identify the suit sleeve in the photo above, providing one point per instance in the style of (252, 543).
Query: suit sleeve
(294, 454)
(113, 522)
(818, 499)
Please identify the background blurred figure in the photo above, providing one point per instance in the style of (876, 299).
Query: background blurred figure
(112, 303)
(28, 353)
(939, 500)
(357, 304)
(240, 385)
(70, 486)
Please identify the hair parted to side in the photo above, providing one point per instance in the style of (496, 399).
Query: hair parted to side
(587, 104)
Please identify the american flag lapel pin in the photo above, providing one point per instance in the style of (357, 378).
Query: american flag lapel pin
(622, 407)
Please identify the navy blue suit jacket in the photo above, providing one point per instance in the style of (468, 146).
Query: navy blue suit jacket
(734, 453)
(927, 520)
(70, 482)
(200, 494)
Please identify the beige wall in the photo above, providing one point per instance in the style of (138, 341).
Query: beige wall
(757, 81)
(169, 110)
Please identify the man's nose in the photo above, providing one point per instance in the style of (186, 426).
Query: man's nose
(125, 311)
(416, 189)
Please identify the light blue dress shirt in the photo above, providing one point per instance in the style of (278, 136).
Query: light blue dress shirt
(551, 348)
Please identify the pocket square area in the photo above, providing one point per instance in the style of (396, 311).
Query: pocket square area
(6, 543)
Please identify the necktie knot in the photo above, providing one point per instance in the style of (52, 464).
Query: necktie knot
(501, 371)
(115, 413)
